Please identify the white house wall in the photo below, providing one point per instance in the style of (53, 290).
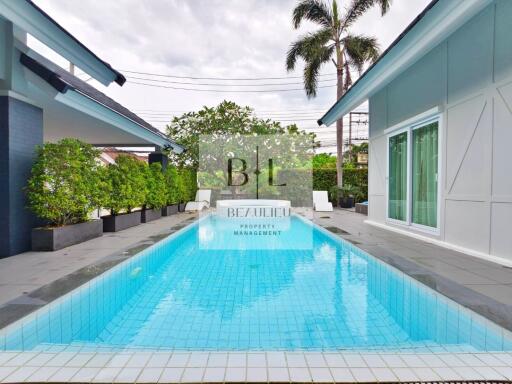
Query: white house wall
(469, 77)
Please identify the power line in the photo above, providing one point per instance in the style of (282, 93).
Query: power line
(228, 91)
(220, 78)
(220, 84)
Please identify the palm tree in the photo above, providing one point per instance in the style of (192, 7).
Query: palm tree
(334, 43)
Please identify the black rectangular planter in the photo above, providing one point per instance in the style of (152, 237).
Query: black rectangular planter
(346, 202)
(148, 215)
(120, 222)
(170, 210)
(53, 239)
(181, 207)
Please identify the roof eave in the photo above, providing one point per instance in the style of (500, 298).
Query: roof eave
(437, 21)
(33, 20)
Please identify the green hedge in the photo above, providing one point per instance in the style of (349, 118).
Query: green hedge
(324, 179)
(187, 184)
(66, 182)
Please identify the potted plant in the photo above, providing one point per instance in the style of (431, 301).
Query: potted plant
(172, 192)
(182, 191)
(64, 188)
(347, 194)
(127, 191)
(155, 193)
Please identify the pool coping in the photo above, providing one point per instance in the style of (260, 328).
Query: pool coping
(252, 366)
(23, 305)
(491, 309)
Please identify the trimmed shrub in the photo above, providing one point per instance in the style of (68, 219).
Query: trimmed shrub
(65, 185)
(156, 191)
(127, 184)
(324, 179)
(172, 185)
(187, 184)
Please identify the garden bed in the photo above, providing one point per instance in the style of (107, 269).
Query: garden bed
(170, 210)
(115, 223)
(148, 215)
(53, 239)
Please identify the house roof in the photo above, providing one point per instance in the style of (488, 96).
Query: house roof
(120, 79)
(62, 81)
(439, 19)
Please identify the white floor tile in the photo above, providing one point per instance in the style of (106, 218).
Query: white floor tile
(171, 375)
(237, 360)
(85, 375)
(150, 375)
(178, 360)
(362, 374)
(235, 374)
(107, 375)
(315, 360)
(322, 375)
(217, 360)
(278, 374)
(20, 374)
(257, 374)
(384, 374)
(299, 374)
(192, 375)
(198, 359)
(256, 360)
(128, 375)
(64, 374)
(214, 375)
(276, 359)
(342, 375)
(43, 374)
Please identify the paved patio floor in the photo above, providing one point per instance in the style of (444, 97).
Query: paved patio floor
(472, 282)
(481, 285)
(28, 271)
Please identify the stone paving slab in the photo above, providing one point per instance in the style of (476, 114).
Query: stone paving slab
(273, 366)
(473, 282)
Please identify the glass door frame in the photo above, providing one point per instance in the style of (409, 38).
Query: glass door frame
(409, 128)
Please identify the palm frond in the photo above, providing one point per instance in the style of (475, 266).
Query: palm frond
(306, 47)
(359, 7)
(312, 10)
(360, 50)
(313, 66)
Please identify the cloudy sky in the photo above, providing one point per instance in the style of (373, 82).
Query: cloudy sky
(242, 39)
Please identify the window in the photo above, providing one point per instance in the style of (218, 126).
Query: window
(413, 162)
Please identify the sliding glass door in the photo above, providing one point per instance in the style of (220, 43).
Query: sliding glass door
(424, 175)
(413, 175)
(397, 206)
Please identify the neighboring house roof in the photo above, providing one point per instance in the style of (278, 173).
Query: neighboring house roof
(436, 22)
(110, 154)
(62, 81)
(32, 19)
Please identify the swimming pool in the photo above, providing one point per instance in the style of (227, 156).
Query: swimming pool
(260, 284)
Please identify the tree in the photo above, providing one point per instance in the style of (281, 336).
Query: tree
(65, 184)
(227, 118)
(333, 43)
(156, 189)
(127, 184)
(324, 160)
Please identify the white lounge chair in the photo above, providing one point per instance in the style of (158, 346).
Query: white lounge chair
(321, 202)
(202, 200)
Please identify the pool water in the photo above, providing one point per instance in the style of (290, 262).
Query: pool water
(227, 284)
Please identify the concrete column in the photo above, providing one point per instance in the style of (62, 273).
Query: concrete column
(21, 129)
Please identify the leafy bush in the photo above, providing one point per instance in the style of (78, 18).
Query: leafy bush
(156, 191)
(172, 185)
(65, 185)
(324, 179)
(187, 184)
(127, 184)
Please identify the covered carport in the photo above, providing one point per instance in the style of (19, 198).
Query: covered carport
(40, 102)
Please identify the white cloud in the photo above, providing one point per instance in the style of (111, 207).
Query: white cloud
(207, 38)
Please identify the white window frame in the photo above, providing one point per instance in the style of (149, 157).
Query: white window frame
(409, 126)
